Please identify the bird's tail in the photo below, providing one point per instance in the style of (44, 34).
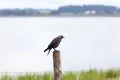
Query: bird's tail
(45, 49)
(48, 52)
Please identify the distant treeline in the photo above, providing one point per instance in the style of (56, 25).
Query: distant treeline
(64, 10)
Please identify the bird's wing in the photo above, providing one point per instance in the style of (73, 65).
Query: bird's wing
(54, 41)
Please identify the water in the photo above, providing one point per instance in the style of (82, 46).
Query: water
(90, 42)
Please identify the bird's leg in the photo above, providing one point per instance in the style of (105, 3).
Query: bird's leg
(54, 49)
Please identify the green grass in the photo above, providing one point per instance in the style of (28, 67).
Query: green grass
(92, 74)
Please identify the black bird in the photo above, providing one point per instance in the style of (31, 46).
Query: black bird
(55, 43)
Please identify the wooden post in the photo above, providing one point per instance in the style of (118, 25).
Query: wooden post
(57, 65)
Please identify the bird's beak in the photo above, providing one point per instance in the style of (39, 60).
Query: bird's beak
(63, 37)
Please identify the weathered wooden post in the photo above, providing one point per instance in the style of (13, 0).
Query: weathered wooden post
(57, 65)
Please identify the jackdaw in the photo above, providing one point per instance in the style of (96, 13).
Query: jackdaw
(54, 44)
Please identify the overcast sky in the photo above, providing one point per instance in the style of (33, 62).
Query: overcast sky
(52, 3)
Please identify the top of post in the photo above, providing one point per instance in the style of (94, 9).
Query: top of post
(56, 51)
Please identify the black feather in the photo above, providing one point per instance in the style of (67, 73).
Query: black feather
(54, 43)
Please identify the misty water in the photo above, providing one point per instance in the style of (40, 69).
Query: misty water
(90, 42)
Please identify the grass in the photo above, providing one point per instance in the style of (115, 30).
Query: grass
(92, 74)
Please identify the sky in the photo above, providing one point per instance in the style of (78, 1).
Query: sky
(52, 4)
(89, 43)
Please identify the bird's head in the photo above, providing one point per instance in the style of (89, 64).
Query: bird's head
(61, 36)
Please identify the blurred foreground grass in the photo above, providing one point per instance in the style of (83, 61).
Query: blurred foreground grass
(92, 74)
